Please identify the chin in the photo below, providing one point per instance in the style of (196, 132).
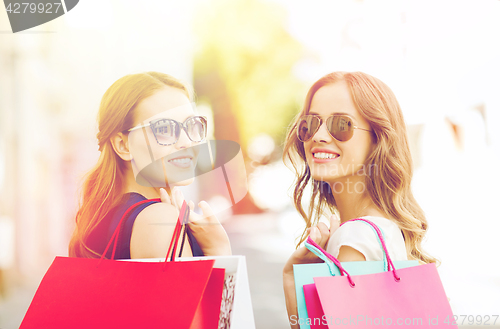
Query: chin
(325, 179)
(184, 182)
(322, 172)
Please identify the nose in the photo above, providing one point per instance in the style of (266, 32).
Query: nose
(183, 141)
(322, 135)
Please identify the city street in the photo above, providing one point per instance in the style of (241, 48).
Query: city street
(265, 241)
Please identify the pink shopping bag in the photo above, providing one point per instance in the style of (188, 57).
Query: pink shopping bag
(314, 308)
(315, 314)
(412, 296)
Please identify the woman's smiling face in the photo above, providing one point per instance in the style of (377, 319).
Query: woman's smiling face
(329, 159)
(176, 161)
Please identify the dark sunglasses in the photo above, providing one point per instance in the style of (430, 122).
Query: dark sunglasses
(340, 127)
(168, 131)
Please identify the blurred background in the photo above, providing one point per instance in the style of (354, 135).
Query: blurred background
(251, 63)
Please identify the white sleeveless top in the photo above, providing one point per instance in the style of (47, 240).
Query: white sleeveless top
(362, 237)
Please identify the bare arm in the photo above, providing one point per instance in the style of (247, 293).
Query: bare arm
(289, 284)
(320, 234)
(349, 254)
(153, 230)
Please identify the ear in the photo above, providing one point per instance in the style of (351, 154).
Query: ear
(120, 144)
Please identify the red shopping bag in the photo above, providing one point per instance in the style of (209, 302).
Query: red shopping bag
(412, 296)
(101, 293)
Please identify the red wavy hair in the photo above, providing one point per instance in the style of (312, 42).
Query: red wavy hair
(103, 185)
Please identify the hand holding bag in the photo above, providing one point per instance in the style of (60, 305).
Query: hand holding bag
(409, 296)
(105, 293)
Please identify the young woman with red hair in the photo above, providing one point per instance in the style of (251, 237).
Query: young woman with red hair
(140, 116)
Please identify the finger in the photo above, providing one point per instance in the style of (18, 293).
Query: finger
(173, 199)
(191, 205)
(334, 224)
(325, 234)
(178, 198)
(164, 196)
(301, 254)
(315, 234)
(208, 213)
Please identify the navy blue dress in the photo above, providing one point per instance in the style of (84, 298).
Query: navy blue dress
(101, 235)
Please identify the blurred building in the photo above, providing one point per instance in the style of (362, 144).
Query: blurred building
(52, 78)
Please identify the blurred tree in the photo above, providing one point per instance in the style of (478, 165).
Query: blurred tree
(244, 68)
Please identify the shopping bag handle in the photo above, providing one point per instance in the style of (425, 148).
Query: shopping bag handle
(184, 214)
(181, 220)
(318, 250)
(330, 264)
(337, 262)
(380, 238)
(390, 264)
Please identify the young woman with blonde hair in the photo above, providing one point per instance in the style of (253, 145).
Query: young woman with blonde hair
(349, 143)
(156, 108)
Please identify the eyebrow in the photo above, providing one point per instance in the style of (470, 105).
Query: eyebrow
(334, 113)
(338, 113)
(188, 117)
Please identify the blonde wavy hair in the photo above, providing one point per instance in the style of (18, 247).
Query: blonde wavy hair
(389, 185)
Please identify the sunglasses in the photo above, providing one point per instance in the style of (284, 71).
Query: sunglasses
(340, 127)
(168, 131)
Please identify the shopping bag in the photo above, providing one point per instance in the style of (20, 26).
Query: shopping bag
(407, 296)
(236, 306)
(310, 312)
(106, 293)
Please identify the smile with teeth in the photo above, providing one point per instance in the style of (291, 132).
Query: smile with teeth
(324, 155)
(182, 161)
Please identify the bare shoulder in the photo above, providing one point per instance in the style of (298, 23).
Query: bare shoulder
(152, 231)
(349, 254)
(157, 213)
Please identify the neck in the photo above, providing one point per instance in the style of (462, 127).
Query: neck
(132, 186)
(352, 199)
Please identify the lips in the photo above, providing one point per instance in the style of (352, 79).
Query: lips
(182, 161)
(322, 155)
